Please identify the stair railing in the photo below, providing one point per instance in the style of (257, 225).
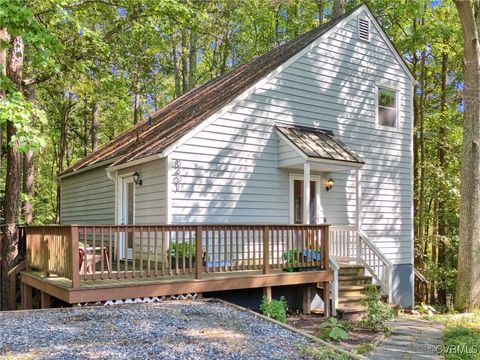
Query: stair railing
(422, 287)
(334, 266)
(350, 244)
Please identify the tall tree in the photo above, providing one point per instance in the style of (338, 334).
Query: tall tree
(338, 7)
(468, 274)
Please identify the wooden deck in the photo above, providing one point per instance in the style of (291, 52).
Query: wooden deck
(113, 289)
(88, 263)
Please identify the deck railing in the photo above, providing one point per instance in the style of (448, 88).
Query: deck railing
(346, 242)
(422, 288)
(139, 251)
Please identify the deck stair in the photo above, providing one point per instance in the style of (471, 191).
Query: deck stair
(352, 282)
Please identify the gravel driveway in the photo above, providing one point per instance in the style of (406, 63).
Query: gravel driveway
(167, 330)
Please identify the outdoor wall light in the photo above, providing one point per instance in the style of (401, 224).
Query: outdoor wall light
(330, 184)
(137, 179)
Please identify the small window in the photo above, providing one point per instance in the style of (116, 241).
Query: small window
(387, 107)
(364, 29)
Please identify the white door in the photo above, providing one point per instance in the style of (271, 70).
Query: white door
(126, 215)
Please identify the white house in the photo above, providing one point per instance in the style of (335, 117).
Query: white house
(264, 144)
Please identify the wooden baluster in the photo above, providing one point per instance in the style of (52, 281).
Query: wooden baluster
(155, 249)
(231, 247)
(102, 251)
(266, 240)
(207, 251)
(149, 250)
(192, 250)
(199, 254)
(117, 250)
(183, 249)
(141, 251)
(225, 248)
(164, 253)
(236, 244)
(125, 248)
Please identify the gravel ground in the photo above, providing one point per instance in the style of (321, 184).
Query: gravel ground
(167, 330)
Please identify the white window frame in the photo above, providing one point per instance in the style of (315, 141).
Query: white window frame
(397, 106)
(317, 179)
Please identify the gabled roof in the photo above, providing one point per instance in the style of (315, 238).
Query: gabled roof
(318, 144)
(169, 124)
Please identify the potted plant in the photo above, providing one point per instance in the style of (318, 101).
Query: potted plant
(291, 258)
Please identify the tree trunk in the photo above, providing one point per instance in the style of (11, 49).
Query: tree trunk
(29, 173)
(9, 247)
(338, 8)
(192, 69)
(136, 107)
(85, 130)
(176, 75)
(184, 59)
(442, 291)
(321, 10)
(94, 125)
(62, 149)
(467, 295)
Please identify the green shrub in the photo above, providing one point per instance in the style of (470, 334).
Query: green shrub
(377, 311)
(275, 309)
(333, 330)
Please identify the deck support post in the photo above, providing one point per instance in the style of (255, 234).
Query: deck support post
(326, 299)
(308, 293)
(199, 252)
(26, 295)
(306, 193)
(267, 291)
(45, 300)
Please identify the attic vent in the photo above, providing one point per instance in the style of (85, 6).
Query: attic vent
(364, 29)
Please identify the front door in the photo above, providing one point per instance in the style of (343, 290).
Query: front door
(296, 196)
(127, 215)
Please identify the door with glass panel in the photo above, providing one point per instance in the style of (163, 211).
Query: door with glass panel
(296, 188)
(126, 216)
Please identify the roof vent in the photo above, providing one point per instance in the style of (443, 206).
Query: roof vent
(364, 29)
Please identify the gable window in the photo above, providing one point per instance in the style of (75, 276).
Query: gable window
(387, 107)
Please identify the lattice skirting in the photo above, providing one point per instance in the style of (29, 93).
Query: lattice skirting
(143, 300)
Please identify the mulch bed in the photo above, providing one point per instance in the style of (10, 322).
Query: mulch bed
(309, 323)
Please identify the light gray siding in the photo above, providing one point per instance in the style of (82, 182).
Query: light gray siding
(87, 198)
(229, 170)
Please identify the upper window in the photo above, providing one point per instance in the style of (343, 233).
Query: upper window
(387, 107)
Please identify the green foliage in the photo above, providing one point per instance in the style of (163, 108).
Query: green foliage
(461, 343)
(15, 108)
(377, 311)
(291, 257)
(320, 353)
(275, 309)
(182, 249)
(332, 329)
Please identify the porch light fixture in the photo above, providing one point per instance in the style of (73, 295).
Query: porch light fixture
(137, 179)
(330, 184)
